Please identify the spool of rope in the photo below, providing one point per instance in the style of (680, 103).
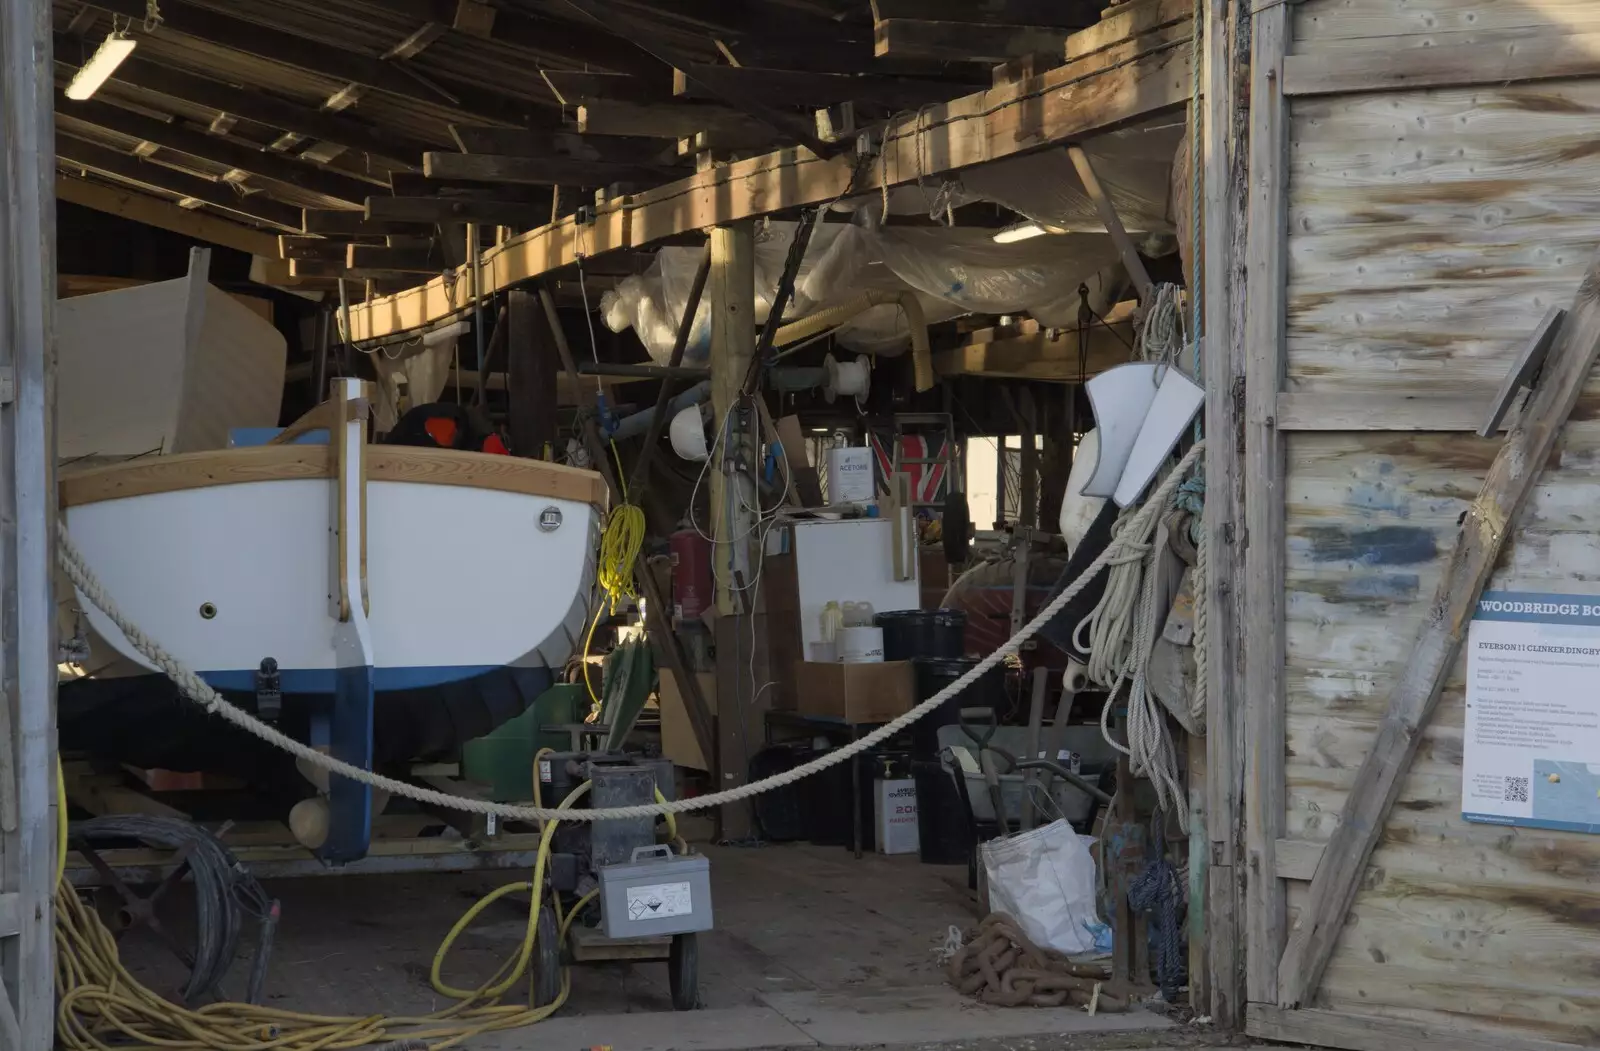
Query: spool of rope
(846, 379)
(1000, 966)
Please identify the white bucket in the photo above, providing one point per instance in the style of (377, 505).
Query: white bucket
(860, 645)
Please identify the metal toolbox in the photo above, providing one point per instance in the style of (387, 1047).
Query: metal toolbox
(657, 893)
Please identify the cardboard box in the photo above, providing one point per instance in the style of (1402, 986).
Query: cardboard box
(677, 732)
(855, 693)
(894, 808)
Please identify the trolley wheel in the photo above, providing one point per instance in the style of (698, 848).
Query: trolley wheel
(683, 972)
(546, 959)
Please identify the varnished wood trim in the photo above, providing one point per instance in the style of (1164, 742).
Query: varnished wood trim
(385, 463)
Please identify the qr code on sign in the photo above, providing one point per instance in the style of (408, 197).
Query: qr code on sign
(1516, 790)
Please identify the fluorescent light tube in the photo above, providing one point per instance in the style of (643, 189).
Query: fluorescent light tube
(111, 53)
(1020, 232)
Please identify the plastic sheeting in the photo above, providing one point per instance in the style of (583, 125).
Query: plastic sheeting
(953, 271)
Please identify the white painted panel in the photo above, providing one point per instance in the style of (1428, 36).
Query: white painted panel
(849, 561)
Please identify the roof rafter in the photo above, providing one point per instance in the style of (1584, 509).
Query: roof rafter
(281, 168)
(128, 168)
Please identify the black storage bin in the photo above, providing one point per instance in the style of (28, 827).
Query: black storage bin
(909, 633)
(944, 836)
(781, 813)
(827, 804)
(932, 674)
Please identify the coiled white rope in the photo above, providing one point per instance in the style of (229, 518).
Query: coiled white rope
(197, 690)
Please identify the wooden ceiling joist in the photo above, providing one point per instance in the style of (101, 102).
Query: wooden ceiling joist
(522, 142)
(219, 149)
(457, 210)
(571, 41)
(538, 171)
(163, 214)
(962, 41)
(668, 120)
(574, 88)
(1053, 14)
(1056, 107)
(787, 87)
(311, 249)
(253, 106)
(331, 222)
(399, 260)
(322, 59)
(128, 168)
(1030, 352)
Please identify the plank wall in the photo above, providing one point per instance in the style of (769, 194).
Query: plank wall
(1428, 233)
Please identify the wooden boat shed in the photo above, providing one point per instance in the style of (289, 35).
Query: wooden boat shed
(1395, 194)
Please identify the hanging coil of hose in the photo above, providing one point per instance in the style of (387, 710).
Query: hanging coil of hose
(224, 892)
(999, 965)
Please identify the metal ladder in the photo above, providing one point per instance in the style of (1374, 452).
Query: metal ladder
(933, 421)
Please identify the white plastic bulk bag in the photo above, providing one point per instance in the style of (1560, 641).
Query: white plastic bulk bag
(1045, 880)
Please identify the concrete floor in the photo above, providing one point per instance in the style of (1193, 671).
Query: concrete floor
(812, 948)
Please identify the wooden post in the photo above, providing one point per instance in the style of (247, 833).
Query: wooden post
(1416, 692)
(532, 368)
(733, 330)
(1223, 151)
(1264, 556)
(28, 520)
(733, 341)
(1113, 223)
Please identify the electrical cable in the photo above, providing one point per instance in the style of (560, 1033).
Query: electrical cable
(102, 1007)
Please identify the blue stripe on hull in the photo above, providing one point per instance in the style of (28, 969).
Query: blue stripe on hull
(325, 680)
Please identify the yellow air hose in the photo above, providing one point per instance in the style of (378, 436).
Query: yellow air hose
(620, 543)
(102, 1007)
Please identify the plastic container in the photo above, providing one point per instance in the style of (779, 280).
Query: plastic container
(932, 674)
(909, 633)
(944, 834)
(860, 645)
(692, 592)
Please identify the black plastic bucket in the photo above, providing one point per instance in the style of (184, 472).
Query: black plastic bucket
(944, 834)
(909, 633)
(932, 674)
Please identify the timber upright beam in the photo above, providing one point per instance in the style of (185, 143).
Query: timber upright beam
(1222, 146)
(731, 285)
(532, 368)
(27, 526)
(1483, 533)
(1266, 248)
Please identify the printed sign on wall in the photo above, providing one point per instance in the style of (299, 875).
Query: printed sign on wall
(1532, 745)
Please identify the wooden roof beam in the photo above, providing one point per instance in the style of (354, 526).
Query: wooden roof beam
(1059, 106)
(128, 168)
(1052, 14)
(522, 142)
(255, 106)
(669, 120)
(641, 33)
(961, 41)
(398, 260)
(458, 210)
(163, 214)
(331, 222)
(787, 87)
(322, 59)
(574, 88)
(538, 171)
(219, 149)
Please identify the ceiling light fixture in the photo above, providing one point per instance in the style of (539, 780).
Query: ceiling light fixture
(112, 52)
(1023, 231)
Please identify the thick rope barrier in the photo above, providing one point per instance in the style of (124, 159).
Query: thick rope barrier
(198, 690)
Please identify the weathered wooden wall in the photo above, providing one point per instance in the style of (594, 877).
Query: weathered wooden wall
(1428, 233)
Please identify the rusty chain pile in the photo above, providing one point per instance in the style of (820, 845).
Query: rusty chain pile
(999, 965)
